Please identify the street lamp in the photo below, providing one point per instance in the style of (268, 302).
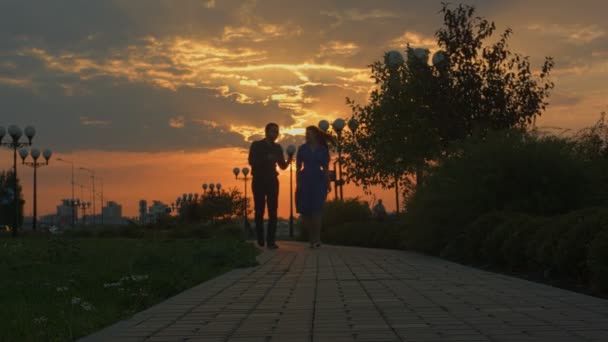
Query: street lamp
(338, 127)
(245, 172)
(84, 206)
(16, 133)
(92, 172)
(291, 149)
(101, 198)
(35, 153)
(72, 200)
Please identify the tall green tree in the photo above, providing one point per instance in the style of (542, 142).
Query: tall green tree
(7, 203)
(418, 110)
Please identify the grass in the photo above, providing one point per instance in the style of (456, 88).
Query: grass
(58, 288)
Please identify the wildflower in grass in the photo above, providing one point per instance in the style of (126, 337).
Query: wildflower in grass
(87, 306)
(75, 300)
(40, 320)
(62, 289)
(114, 284)
(134, 277)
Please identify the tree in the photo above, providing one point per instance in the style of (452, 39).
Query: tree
(417, 111)
(7, 203)
(214, 205)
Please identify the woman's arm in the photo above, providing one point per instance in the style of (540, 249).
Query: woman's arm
(325, 167)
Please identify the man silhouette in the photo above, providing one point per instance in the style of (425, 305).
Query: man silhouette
(264, 156)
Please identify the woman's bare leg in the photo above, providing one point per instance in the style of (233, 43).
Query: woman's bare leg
(309, 228)
(317, 221)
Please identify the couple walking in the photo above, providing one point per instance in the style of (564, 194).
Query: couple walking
(312, 181)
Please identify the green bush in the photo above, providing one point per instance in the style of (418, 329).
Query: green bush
(375, 234)
(505, 245)
(466, 247)
(337, 212)
(549, 249)
(507, 171)
(573, 246)
(598, 261)
(514, 249)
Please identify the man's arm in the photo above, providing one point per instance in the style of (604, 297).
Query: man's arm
(281, 159)
(253, 154)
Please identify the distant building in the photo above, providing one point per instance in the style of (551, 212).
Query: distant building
(112, 214)
(64, 214)
(47, 220)
(143, 211)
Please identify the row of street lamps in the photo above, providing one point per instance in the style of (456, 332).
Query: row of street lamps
(35, 154)
(193, 197)
(15, 143)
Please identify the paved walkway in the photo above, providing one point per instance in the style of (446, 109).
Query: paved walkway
(357, 294)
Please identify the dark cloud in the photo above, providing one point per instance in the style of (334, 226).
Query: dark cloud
(104, 74)
(106, 114)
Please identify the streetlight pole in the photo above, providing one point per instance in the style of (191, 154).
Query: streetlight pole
(291, 149)
(73, 200)
(92, 172)
(16, 133)
(35, 153)
(338, 127)
(245, 172)
(84, 206)
(101, 194)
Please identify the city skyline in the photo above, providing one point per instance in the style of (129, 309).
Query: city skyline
(159, 97)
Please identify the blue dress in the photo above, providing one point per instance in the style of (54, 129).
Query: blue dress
(312, 185)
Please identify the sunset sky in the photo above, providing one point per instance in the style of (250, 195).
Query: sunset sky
(159, 97)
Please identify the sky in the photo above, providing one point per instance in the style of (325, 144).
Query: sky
(161, 96)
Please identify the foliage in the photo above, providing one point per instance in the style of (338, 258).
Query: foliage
(336, 212)
(568, 248)
(598, 261)
(418, 111)
(64, 288)
(592, 142)
(375, 234)
(215, 205)
(7, 204)
(506, 171)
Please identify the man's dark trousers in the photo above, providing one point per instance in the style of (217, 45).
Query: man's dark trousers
(265, 191)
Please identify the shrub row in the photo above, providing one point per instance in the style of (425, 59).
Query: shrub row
(573, 245)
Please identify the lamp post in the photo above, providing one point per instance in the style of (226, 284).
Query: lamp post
(101, 198)
(35, 153)
(15, 132)
(72, 202)
(338, 127)
(92, 172)
(84, 206)
(245, 172)
(291, 149)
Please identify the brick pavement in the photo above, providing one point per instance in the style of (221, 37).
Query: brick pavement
(357, 294)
